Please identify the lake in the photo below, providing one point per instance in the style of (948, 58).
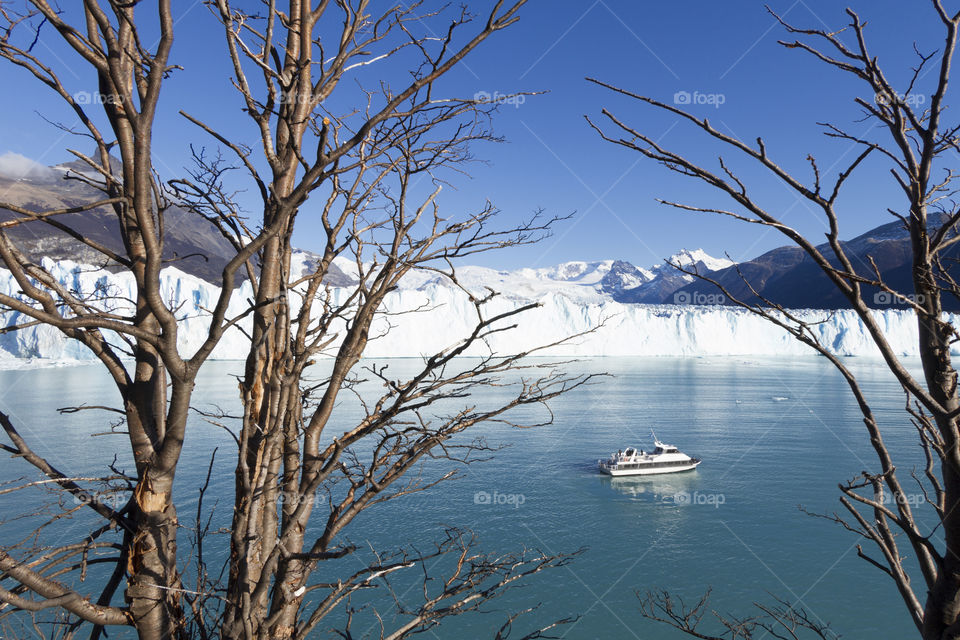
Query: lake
(773, 434)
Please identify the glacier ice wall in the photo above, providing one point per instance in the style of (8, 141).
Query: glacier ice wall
(430, 316)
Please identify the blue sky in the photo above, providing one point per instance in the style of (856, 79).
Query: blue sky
(721, 52)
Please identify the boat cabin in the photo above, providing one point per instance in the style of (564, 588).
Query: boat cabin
(665, 448)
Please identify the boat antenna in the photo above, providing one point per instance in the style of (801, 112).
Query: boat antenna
(654, 436)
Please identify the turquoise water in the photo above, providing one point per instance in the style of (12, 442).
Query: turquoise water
(773, 433)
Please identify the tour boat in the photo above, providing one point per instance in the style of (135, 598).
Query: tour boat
(631, 461)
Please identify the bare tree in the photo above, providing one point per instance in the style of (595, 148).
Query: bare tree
(782, 620)
(912, 137)
(371, 176)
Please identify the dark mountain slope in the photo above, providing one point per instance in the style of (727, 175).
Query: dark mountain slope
(789, 277)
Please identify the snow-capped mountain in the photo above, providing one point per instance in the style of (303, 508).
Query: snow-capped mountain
(667, 279)
(700, 259)
(586, 282)
(197, 248)
(623, 276)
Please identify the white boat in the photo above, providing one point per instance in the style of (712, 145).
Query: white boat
(631, 461)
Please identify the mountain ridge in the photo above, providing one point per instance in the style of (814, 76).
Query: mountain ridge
(789, 277)
(194, 245)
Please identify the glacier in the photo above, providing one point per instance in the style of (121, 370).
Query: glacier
(427, 314)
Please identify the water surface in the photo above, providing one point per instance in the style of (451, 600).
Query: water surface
(774, 434)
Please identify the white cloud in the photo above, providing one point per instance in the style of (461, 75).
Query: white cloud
(13, 165)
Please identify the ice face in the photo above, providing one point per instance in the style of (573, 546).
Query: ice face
(445, 315)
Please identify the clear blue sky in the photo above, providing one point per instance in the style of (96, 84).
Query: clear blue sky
(552, 159)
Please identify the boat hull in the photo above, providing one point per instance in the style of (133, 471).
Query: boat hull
(641, 471)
